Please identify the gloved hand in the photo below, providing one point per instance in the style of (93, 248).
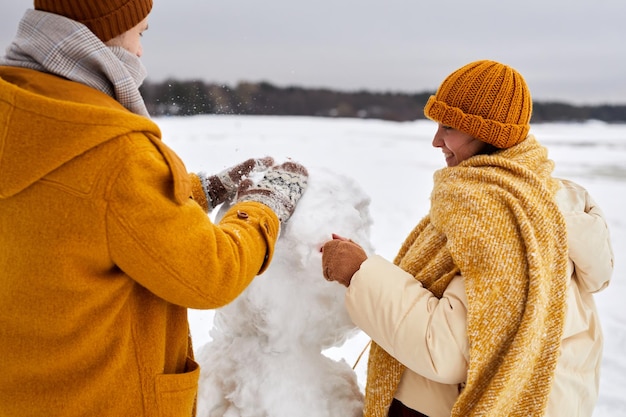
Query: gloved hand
(223, 187)
(341, 258)
(280, 189)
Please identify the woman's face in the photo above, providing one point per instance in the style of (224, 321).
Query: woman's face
(131, 39)
(456, 146)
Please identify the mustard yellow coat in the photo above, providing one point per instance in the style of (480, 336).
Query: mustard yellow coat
(102, 249)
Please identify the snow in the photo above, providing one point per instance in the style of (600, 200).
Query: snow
(286, 346)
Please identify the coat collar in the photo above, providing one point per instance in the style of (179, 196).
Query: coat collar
(46, 121)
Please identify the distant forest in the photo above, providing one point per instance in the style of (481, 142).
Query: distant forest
(185, 98)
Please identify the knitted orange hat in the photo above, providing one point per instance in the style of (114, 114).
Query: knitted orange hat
(106, 18)
(485, 99)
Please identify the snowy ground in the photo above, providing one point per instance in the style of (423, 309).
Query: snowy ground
(393, 163)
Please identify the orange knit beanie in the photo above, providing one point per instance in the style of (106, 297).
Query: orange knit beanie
(485, 99)
(106, 18)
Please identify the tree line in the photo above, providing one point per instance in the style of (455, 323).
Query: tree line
(186, 98)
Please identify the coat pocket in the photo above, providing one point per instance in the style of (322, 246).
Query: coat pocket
(176, 393)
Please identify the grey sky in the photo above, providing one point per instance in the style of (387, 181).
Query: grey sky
(568, 50)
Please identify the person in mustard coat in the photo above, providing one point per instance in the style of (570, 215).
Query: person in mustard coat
(104, 235)
(488, 308)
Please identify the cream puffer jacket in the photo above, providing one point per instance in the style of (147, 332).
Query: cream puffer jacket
(428, 335)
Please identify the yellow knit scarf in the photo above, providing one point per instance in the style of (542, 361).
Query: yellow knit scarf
(493, 219)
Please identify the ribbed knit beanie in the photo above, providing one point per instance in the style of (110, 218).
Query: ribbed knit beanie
(485, 99)
(106, 18)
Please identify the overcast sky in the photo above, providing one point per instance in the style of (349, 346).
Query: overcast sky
(568, 50)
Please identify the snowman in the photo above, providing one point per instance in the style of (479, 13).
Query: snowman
(265, 357)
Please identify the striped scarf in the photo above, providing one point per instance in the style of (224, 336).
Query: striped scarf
(52, 43)
(493, 219)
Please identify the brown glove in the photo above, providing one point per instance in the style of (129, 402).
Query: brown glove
(341, 258)
(223, 187)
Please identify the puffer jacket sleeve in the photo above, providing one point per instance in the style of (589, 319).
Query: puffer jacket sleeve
(167, 243)
(588, 237)
(426, 334)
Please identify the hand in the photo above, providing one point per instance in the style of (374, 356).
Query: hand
(223, 186)
(280, 189)
(341, 258)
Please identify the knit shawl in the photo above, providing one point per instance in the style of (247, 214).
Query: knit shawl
(493, 220)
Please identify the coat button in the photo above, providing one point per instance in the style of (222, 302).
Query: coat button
(242, 214)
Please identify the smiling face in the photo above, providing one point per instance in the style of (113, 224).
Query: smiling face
(457, 146)
(131, 39)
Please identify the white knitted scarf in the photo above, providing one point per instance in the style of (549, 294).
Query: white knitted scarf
(55, 44)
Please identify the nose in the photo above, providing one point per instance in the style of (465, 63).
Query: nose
(437, 139)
